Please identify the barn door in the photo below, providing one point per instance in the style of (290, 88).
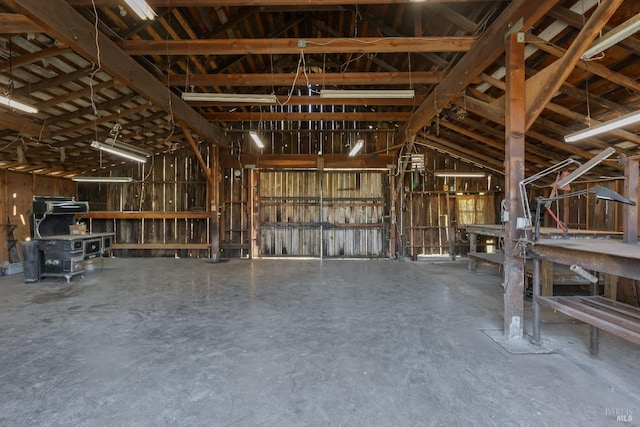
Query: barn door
(321, 214)
(352, 210)
(289, 213)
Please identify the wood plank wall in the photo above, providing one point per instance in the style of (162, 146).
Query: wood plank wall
(432, 209)
(16, 195)
(169, 183)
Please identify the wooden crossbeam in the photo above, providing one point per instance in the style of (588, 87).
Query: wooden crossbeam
(199, 3)
(287, 79)
(392, 116)
(66, 24)
(287, 46)
(485, 51)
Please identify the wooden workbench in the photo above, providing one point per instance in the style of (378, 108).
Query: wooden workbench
(548, 277)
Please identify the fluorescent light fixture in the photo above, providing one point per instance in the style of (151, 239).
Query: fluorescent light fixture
(119, 151)
(582, 169)
(12, 103)
(356, 148)
(229, 97)
(141, 8)
(111, 179)
(355, 94)
(614, 36)
(256, 139)
(452, 174)
(622, 121)
(127, 147)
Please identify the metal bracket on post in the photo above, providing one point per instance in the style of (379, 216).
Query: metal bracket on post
(515, 28)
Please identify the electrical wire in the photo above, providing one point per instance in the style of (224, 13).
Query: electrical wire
(91, 77)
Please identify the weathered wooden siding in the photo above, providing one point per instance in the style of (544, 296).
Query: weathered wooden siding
(329, 214)
(16, 197)
(433, 209)
(171, 183)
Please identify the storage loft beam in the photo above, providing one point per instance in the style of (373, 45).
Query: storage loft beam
(66, 24)
(486, 50)
(287, 79)
(290, 46)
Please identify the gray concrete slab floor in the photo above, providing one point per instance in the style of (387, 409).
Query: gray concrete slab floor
(183, 342)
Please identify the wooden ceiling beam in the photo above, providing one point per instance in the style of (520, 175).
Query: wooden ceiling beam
(590, 66)
(577, 21)
(51, 83)
(542, 87)
(534, 156)
(487, 49)
(23, 125)
(316, 100)
(76, 95)
(66, 24)
(30, 58)
(92, 123)
(496, 115)
(473, 155)
(392, 116)
(212, 3)
(13, 23)
(287, 79)
(270, 46)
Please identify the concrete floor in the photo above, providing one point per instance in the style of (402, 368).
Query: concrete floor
(151, 342)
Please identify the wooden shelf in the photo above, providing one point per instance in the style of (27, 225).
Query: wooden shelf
(147, 215)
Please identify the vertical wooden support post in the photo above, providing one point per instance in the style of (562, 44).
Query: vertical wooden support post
(215, 204)
(255, 217)
(4, 213)
(630, 213)
(393, 229)
(514, 171)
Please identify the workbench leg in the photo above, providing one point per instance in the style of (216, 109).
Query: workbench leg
(472, 265)
(536, 305)
(473, 242)
(594, 336)
(546, 278)
(611, 287)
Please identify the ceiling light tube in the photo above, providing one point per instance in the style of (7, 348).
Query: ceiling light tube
(119, 152)
(229, 97)
(451, 174)
(622, 121)
(356, 148)
(256, 139)
(141, 8)
(12, 103)
(582, 169)
(614, 36)
(355, 94)
(127, 147)
(109, 179)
